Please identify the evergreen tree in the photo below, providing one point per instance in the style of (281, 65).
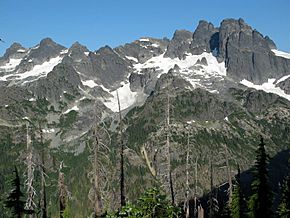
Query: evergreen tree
(284, 206)
(14, 199)
(237, 207)
(260, 202)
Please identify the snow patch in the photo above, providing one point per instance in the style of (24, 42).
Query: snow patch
(64, 51)
(90, 83)
(126, 96)
(132, 58)
(282, 79)
(188, 69)
(86, 53)
(269, 87)
(144, 40)
(38, 70)
(32, 99)
(155, 45)
(74, 108)
(226, 119)
(21, 50)
(281, 53)
(164, 64)
(11, 65)
(48, 130)
(190, 122)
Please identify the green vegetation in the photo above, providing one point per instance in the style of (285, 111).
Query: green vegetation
(238, 204)
(15, 200)
(207, 138)
(260, 203)
(284, 206)
(151, 204)
(66, 121)
(68, 96)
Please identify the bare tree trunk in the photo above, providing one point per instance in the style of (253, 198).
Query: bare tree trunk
(122, 179)
(43, 204)
(211, 206)
(200, 212)
(228, 174)
(195, 189)
(63, 193)
(97, 200)
(168, 151)
(187, 213)
(151, 167)
(30, 204)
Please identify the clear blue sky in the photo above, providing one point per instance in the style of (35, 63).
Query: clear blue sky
(96, 23)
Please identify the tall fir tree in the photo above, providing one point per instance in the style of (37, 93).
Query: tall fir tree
(15, 198)
(284, 206)
(237, 206)
(260, 202)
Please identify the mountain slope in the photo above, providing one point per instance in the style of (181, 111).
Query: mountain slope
(227, 85)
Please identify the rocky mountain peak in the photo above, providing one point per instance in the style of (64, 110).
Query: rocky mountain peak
(179, 44)
(16, 50)
(204, 38)
(48, 42)
(231, 25)
(247, 53)
(78, 51)
(105, 50)
(77, 46)
(46, 50)
(204, 25)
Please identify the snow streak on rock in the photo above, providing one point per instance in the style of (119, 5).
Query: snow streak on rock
(35, 73)
(269, 87)
(281, 53)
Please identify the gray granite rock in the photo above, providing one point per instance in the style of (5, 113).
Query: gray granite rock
(15, 51)
(62, 78)
(205, 38)
(46, 50)
(109, 67)
(143, 50)
(247, 54)
(79, 56)
(179, 45)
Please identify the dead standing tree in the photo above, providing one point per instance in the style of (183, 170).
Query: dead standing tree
(212, 202)
(229, 175)
(35, 159)
(30, 168)
(191, 160)
(169, 151)
(99, 177)
(43, 205)
(63, 193)
(186, 205)
(164, 171)
(122, 176)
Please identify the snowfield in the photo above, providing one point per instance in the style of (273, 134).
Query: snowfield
(35, 73)
(11, 65)
(126, 96)
(164, 64)
(269, 87)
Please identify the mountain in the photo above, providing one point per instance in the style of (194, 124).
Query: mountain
(226, 85)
